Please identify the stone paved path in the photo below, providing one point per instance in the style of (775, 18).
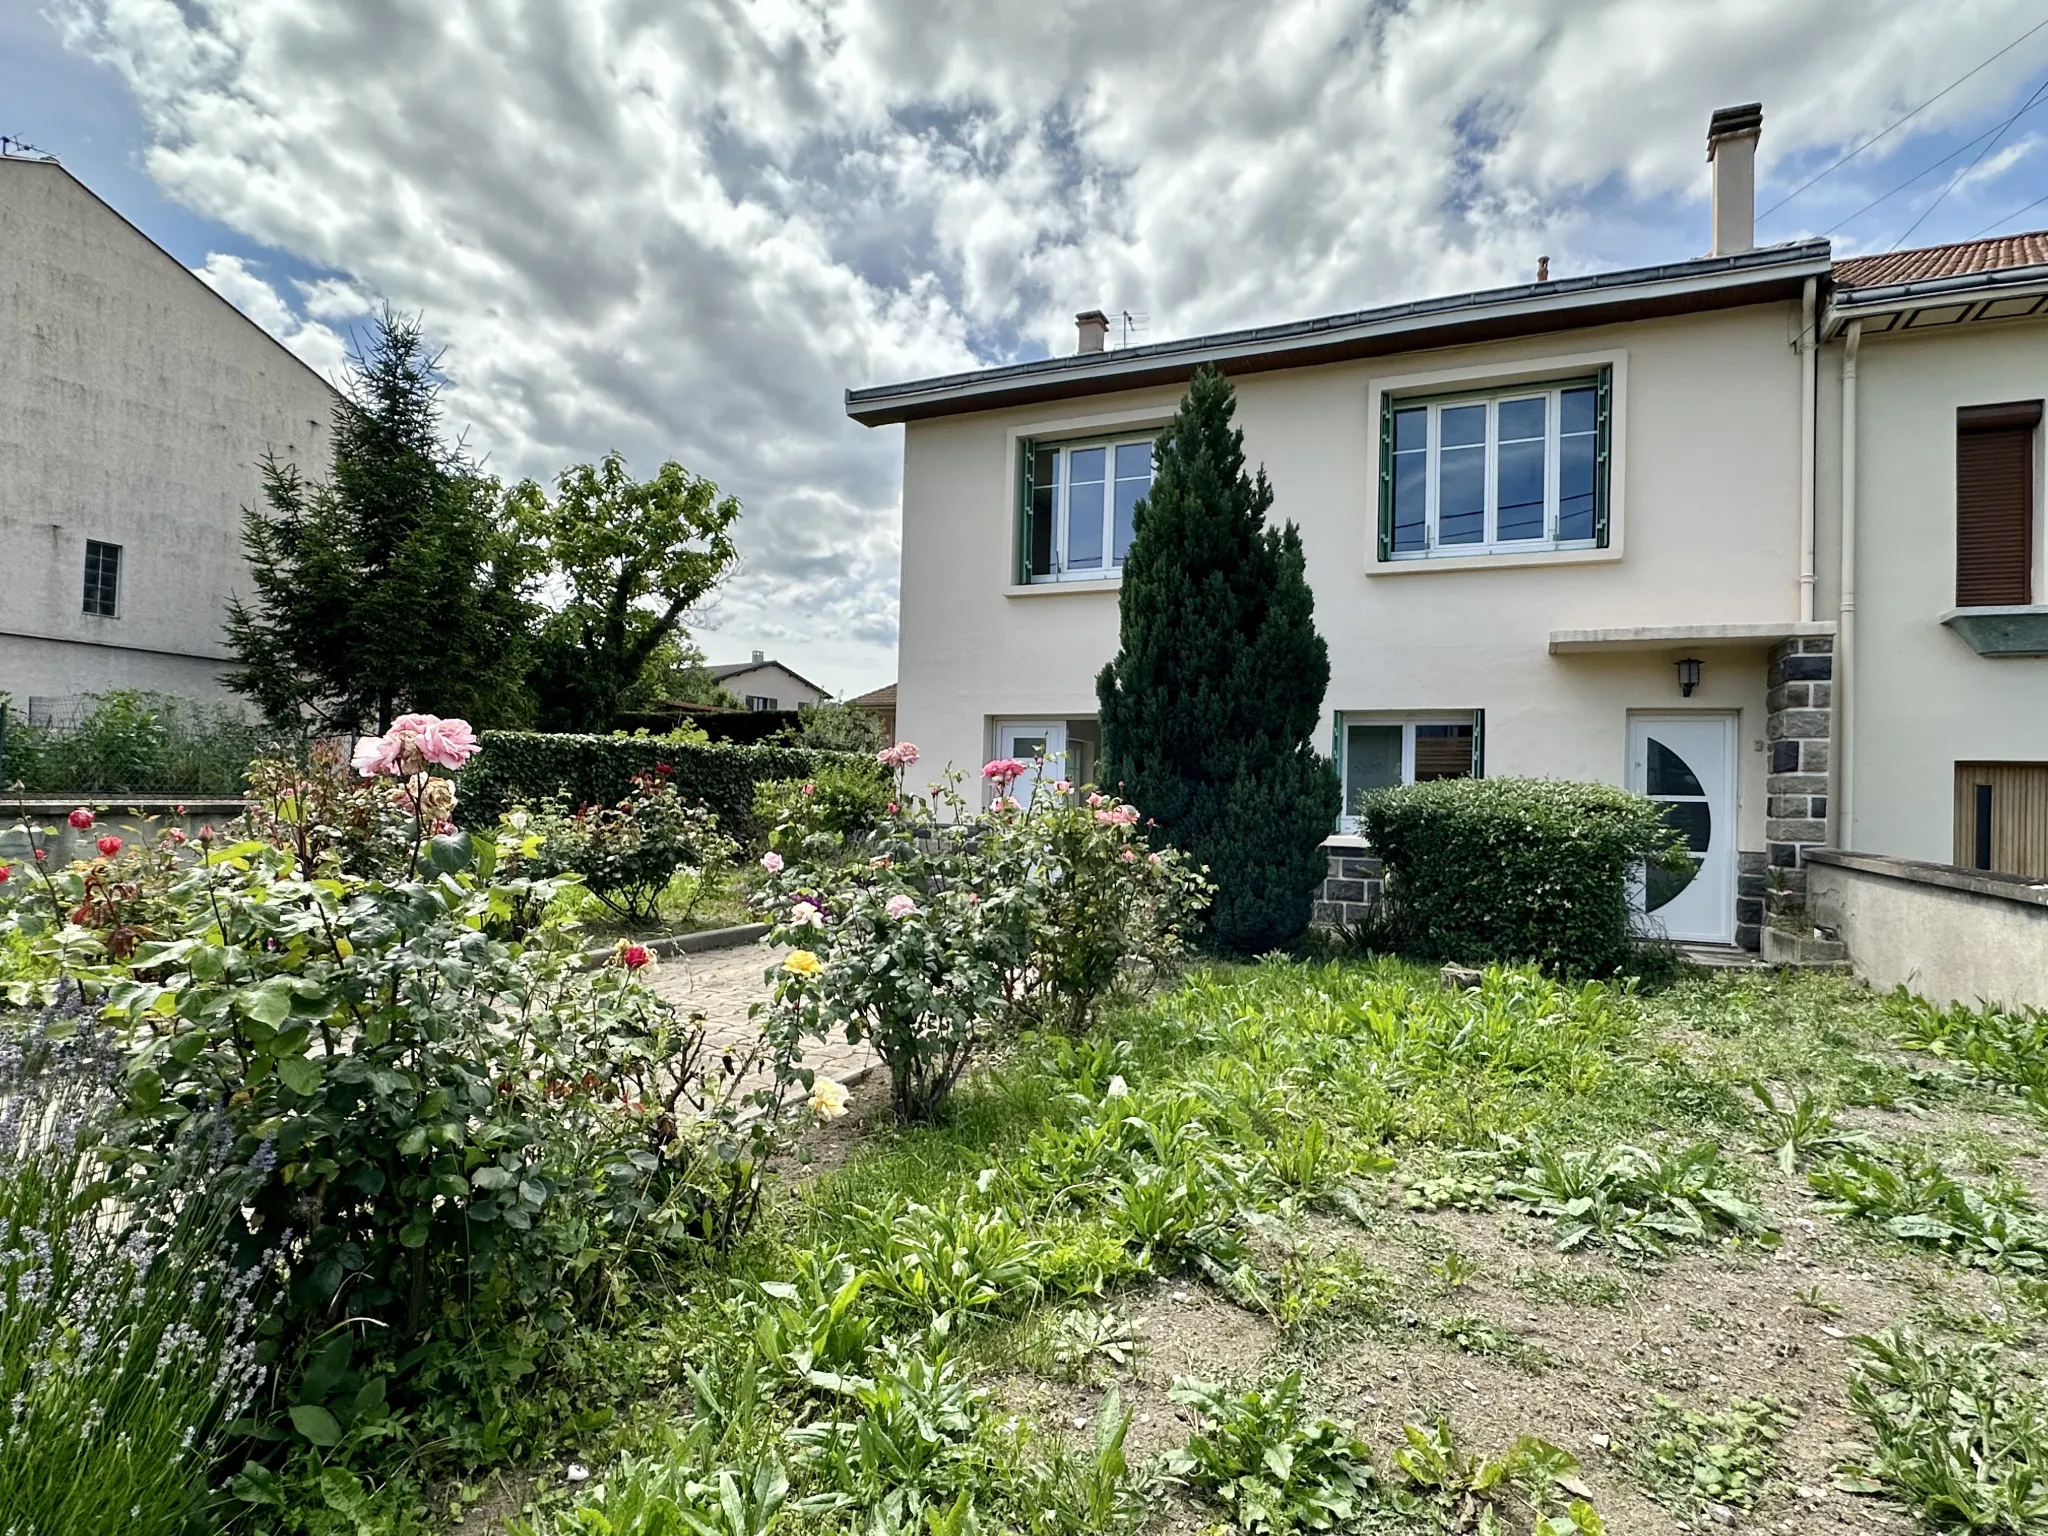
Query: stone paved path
(722, 984)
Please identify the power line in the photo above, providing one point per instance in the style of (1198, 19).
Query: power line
(1956, 180)
(1932, 165)
(1930, 101)
(2037, 202)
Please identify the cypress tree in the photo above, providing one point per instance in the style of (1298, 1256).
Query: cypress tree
(1210, 707)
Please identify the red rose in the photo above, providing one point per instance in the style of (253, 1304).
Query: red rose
(109, 845)
(178, 835)
(663, 769)
(206, 833)
(179, 809)
(634, 957)
(41, 855)
(5, 874)
(81, 819)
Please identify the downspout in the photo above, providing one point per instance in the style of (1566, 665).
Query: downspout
(1845, 634)
(1808, 378)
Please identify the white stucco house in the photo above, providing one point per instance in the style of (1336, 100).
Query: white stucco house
(761, 683)
(1608, 527)
(139, 406)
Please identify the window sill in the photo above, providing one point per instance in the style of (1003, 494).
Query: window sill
(2019, 631)
(1064, 588)
(1499, 562)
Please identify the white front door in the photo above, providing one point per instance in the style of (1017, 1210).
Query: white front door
(1687, 762)
(1040, 745)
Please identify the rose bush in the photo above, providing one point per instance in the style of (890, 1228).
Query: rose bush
(629, 854)
(955, 923)
(452, 1125)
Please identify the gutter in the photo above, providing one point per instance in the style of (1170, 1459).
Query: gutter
(1530, 309)
(1809, 378)
(1848, 304)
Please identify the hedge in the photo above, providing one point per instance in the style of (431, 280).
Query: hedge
(528, 766)
(1478, 870)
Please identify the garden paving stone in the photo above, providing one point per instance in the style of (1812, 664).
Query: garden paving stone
(722, 984)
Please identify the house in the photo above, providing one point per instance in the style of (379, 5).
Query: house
(139, 406)
(878, 705)
(1587, 527)
(764, 684)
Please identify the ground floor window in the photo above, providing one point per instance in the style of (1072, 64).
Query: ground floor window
(2001, 818)
(1379, 751)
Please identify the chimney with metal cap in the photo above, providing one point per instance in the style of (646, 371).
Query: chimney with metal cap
(759, 657)
(1093, 325)
(1732, 133)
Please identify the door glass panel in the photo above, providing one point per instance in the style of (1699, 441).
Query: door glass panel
(1461, 475)
(1661, 886)
(1669, 773)
(1372, 760)
(1026, 748)
(1693, 820)
(1518, 473)
(1411, 478)
(1443, 752)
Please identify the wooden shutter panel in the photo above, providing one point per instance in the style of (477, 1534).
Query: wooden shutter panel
(1995, 505)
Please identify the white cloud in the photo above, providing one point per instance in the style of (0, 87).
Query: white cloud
(317, 345)
(681, 230)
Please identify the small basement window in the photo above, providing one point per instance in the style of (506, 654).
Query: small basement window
(102, 579)
(1495, 472)
(1382, 751)
(1080, 501)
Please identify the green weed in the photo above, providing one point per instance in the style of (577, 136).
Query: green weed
(1575, 1287)
(1803, 1130)
(1635, 1200)
(1467, 1493)
(1909, 1195)
(1726, 1456)
(1260, 1456)
(1474, 1335)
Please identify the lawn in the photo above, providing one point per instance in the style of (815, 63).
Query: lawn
(1303, 1246)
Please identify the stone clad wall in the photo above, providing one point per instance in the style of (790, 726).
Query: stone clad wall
(1352, 886)
(1800, 733)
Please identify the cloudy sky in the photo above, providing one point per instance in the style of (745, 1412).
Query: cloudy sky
(681, 228)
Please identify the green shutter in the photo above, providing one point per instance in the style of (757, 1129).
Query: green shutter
(1022, 563)
(1478, 743)
(1386, 540)
(1603, 416)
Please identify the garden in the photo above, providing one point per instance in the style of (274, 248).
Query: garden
(347, 1186)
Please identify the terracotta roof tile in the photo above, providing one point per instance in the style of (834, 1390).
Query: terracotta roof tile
(2000, 251)
(879, 698)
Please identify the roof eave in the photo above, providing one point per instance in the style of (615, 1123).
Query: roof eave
(1571, 304)
(1848, 304)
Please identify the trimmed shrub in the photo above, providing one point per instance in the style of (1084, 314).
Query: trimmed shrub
(528, 767)
(846, 799)
(1516, 869)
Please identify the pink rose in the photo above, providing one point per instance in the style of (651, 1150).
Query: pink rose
(1003, 771)
(451, 743)
(375, 755)
(178, 836)
(6, 874)
(108, 845)
(899, 905)
(772, 862)
(206, 833)
(902, 755)
(1130, 856)
(80, 819)
(1061, 787)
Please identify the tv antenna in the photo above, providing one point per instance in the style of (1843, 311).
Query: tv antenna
(21, 149)
(1129, 325)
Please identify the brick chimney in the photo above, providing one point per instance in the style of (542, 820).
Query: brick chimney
(1093, 325)
(1732, 133)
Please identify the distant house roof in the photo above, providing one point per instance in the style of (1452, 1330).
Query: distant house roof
(1996, 254)
(733, 669)
(880, 698)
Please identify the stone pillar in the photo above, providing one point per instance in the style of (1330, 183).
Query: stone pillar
(1799, 731)
(1353, 884)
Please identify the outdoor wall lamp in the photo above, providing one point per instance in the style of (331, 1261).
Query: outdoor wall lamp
(1689, 675)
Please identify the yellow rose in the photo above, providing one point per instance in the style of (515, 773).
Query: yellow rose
(828, 1099)
(802, 963)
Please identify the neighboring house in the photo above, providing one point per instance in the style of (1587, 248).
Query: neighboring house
(764, 684)
(1569, 529)
(880, 706)
(139, 405)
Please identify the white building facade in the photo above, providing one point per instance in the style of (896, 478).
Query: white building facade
(1579, 529)
(140, 406)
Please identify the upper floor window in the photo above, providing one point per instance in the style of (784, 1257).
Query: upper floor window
(1995, 504)
(1503, 471)
(1079, 505)
(102, 579)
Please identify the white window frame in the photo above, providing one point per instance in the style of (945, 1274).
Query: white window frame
(1553, 434)
(760, 703)
(1348, 820)
(1110, 569)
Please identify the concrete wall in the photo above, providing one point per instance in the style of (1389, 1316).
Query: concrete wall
(135, 820)
(1948, 935)
(1706, 531)
(1924, 700)
(139, 404)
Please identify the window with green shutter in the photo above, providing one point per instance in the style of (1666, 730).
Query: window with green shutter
(1513, 470)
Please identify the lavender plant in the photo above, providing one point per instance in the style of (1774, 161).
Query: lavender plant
(126, 1344)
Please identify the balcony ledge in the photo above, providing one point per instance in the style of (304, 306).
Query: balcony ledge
(2019, 631)
(1571, 642)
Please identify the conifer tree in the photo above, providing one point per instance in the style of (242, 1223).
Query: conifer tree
(398, 582)
(1210, 707)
